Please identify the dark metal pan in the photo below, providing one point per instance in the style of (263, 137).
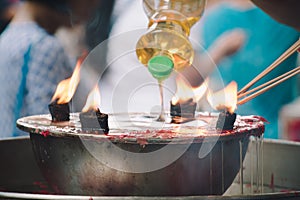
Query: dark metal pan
(80, 163)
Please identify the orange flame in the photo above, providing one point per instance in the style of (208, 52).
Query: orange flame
(185, 91)
(66, 88)
(225, 99)
(93, 100)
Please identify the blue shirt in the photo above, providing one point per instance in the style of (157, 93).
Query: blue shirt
(32, 63)
(266, 41)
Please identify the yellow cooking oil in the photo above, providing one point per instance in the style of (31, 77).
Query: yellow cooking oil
(164, 40)
(169, 26)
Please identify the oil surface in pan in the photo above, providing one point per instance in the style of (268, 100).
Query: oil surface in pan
(131, 126)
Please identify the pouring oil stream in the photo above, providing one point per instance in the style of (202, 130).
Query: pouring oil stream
(161, 68)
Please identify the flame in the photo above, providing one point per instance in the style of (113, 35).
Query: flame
(66, 88)
(186, 92)
(93, 100)
(225, 99)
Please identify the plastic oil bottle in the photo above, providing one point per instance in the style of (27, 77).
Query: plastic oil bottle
(166, 47)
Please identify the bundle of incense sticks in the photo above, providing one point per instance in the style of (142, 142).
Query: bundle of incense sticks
(272, 83)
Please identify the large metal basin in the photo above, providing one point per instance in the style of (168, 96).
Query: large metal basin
(87, 164)
(26, 182)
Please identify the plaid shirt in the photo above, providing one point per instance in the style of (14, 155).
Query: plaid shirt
(32, 63)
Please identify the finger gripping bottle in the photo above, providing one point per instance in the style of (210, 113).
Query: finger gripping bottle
(166, 45)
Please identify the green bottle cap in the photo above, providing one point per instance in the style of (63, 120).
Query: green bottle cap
(160, 67)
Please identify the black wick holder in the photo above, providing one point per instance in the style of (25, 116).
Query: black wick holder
(94, 120)
(226, 121)
(183, 112)
(59, 112)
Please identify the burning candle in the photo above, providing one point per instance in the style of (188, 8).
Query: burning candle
(91, 118)
(94, 120)
(183, 104)
(184, 109)
(59, 112)
(59, 106)
(225, 101)
(225, 120)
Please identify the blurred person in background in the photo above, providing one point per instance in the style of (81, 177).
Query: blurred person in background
(89, 36)
(286, 12)
(265, 41)
(8, 9)
(32, 60)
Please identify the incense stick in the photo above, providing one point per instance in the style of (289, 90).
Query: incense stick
(278, 61)
(270, 84)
